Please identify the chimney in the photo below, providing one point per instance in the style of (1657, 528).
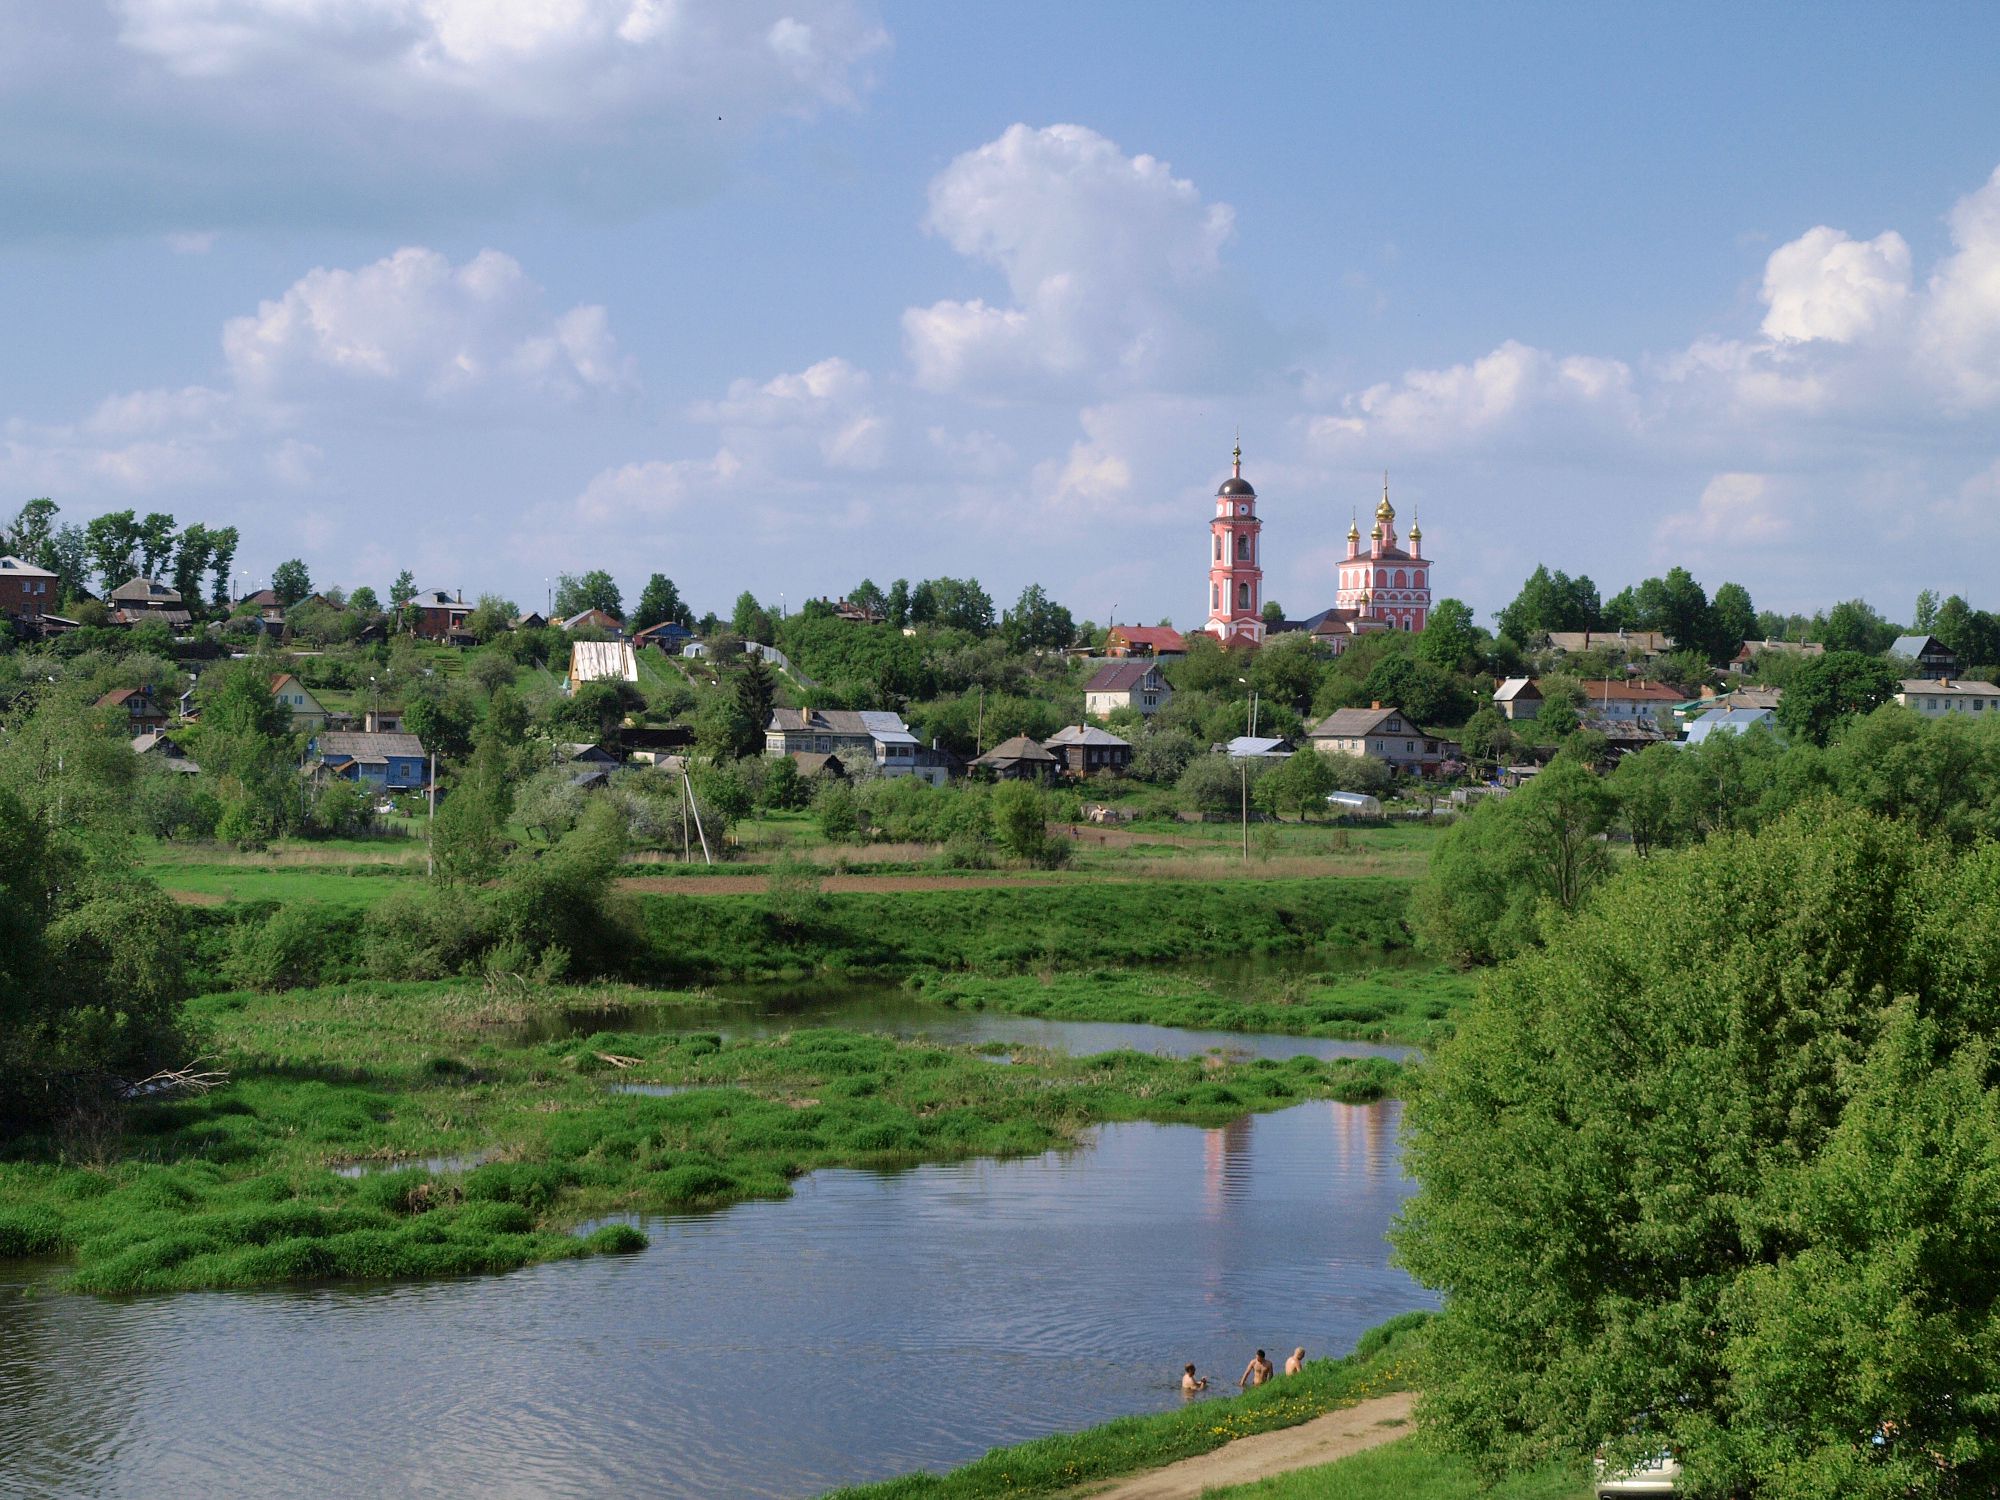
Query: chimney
(1376, 704)
(461, 596)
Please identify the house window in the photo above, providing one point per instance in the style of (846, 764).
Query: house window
(1409, 747)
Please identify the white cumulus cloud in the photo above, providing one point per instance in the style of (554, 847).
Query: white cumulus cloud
(415, 325)
(1825, 285)
(1112, 267)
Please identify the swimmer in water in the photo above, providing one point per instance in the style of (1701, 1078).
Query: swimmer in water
(1255, 1373)
(1191, 1382)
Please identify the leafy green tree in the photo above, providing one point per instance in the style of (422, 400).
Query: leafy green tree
(402, 591)
(835, 811)
(1824, 691)
(248, 753)
(290, 582)
(1298, 784)
(491, 670)
(1036, 622)
(469, 837)
(751, 620)
(1925, 617)
(867, 595)
(66, 554)
(363, 601)
(1550, 601)
(221, 558)
(1853, 625)
(1494, 871)
(660, 603)
(1486, 737)
(956, 603)
(491, 618)
(1161, 755)
(1973, 634)
(192, 553)
(31, 529)
(1021, 820)
(156, 543)
(1429, 695)
(1449, 640)
(112, 541)
(896, 606)
(1711, 1172)
(1287, 671)
(1735, 621)
(784, 789)
(577, 592)
(1273, 614)
(443, 725)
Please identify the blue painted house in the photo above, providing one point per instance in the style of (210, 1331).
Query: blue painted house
(394, 762)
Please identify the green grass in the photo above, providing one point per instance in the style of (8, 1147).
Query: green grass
(1406, 1003)
(1023, 928)
(1056, 1464)
(1407, 1470)
(237, 1187)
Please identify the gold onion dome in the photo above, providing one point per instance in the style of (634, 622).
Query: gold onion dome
(1385, 511)
(1416, 530)
(1354, 529)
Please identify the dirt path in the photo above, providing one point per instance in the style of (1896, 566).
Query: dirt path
(1320, 1441)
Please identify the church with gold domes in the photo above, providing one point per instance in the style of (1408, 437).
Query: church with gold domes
(1383, 585)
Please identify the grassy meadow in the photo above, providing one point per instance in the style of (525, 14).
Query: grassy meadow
(1408, 1470)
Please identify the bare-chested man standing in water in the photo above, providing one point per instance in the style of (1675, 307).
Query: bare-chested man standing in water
(1255, 1373)
(1296, 1363)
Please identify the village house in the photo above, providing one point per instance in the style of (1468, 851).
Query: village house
(1086, 750)
(394, 762)
(1621, 700)
(815, 767)
(1259, 747)
(1729, 721)
(668, 635)
(157, 746)
(142, 709)
(534, 619)
(1641, 644)
(1936, 662)
(142, 599)
(1126, 684)
(594, 619)
(601, 661)
(864, 739)
(1158, 641)
(1385, 734)
(307, 712)
(1749, 651)
(438, 615)
(26, 591)
(1018, 759)
(1518, 698)
(1936, 699)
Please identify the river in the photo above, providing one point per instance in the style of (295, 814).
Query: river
(871, 1324)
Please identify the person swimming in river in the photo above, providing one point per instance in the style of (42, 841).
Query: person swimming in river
(1255, 1373)
(1192, 1383)
(1297, 1362)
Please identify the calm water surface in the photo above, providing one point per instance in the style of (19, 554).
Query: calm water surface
(872, 1324)
(769, 1009)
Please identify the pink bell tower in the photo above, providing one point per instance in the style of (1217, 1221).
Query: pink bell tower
(1235, 565)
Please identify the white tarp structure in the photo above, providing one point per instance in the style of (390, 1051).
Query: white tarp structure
(1354, 804)
(602, 661)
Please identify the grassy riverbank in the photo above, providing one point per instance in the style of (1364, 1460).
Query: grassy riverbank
(1408, 1470)
(1409, 1004)
(692, 934)
(1381, 1362)
(525, 1138)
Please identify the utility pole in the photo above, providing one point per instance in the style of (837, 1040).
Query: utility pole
(1243, 773)
(430, 825)
(979, 730)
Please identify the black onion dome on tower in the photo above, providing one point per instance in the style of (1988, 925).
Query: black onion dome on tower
(1236, 484)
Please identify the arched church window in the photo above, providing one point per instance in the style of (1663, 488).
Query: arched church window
(1402, 579)
(1218, 547)
(1242, 596)
(1381, 578)
(1215, 596)
(1242, 548)
(1417, 578)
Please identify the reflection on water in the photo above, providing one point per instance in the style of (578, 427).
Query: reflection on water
(872, 1324)
(769, 1009)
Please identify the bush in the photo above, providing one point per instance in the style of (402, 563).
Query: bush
(296, 946)
(428, 934)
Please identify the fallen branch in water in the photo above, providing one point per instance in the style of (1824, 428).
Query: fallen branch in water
(191, 1079)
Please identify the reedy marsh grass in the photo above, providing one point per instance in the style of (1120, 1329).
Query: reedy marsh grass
(238, 1187)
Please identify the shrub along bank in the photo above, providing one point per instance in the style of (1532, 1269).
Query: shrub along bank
(439, 933)
(525, 1137)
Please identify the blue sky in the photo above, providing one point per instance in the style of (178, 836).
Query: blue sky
(779, 295)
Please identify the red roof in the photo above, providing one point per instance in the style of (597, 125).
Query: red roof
(1160, 638)
(1637, 690)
